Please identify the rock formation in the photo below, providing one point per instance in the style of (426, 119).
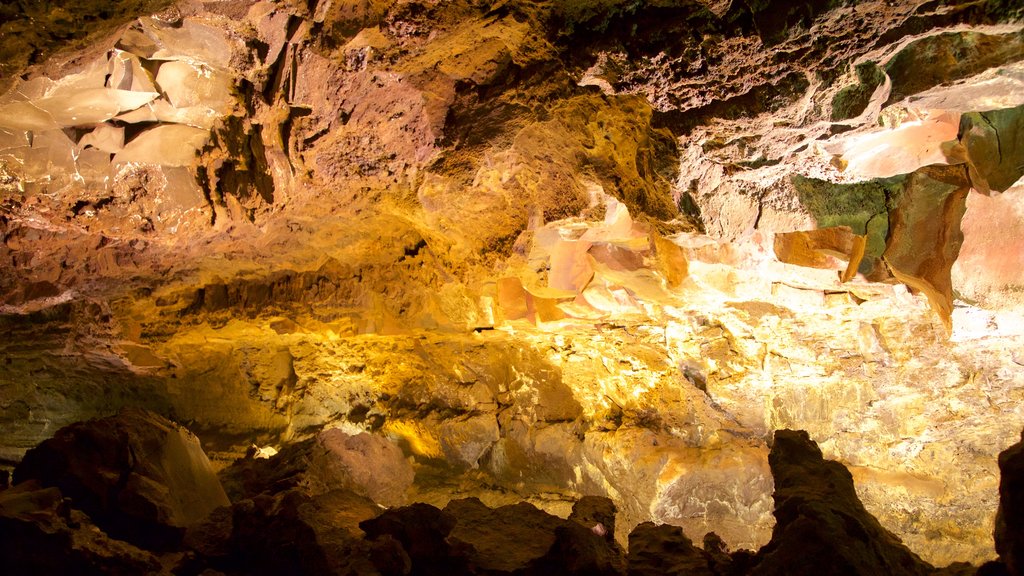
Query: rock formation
(517, 251)
(820, 525)
(139, 476)
(284, 518)
(1008, 532)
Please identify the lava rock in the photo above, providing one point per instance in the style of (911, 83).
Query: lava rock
(821, 526)
(40, 534)
(467, 537)
(596, 513)
(367, 464)
(1009, 531)
(422, 531)
(663, 549)
(139, 476)
(294, 533)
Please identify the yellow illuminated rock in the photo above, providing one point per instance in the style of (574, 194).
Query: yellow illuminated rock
(508, 251)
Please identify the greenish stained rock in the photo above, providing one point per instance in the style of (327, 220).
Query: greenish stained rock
(994, 142)
(947, 57)
(852, 100)
(863, 206)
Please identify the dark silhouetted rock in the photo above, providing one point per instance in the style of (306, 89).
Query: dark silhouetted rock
(596, 513)
(292, 532)
(422, 531)
(821, 526)
(657, 550)
(40, 534)
(506, 539)
(993, 568)
(467, 537)
(579, 551)
(1009, 531)
(138, 475)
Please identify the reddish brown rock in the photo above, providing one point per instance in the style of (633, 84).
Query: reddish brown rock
(819, 248)
(366, 464)
(663, 549)
(925, 235)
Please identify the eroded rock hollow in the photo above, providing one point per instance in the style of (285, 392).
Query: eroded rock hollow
(567, 263)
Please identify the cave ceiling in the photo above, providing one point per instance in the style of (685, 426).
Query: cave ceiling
(547, 249)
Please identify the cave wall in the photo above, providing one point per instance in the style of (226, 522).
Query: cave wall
(547, 249)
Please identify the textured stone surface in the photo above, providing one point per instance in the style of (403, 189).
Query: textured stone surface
(663, 549)
(925, 237)
(141, 477)
(528, 245)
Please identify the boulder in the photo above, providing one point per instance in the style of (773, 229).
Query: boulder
(294, 533)
(422, 530)
(139, 476)
(467, 537)
(40, 534)
(994, 142)
(367, 464)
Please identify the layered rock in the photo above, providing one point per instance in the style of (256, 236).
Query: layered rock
(470, 233)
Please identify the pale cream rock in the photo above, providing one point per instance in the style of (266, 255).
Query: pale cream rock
(167, 145)
(186, 85)
(901, 150)
(105, 138)
(127, 73)
(191, 42)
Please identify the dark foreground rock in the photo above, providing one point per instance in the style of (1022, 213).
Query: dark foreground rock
(1009, 531)
(467, 537)
(821, 526)
(77, 495)
(139, 476)
(41, 534)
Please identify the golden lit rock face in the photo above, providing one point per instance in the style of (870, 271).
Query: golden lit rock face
(531, 259)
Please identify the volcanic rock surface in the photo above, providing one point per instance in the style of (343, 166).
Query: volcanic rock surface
(522, 251)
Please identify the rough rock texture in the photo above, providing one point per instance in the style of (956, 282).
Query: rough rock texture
(531, 246)
(931, 209)
(663, 549)
(467, 537)
(366, 464)
(141, 477)
(284, 519)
